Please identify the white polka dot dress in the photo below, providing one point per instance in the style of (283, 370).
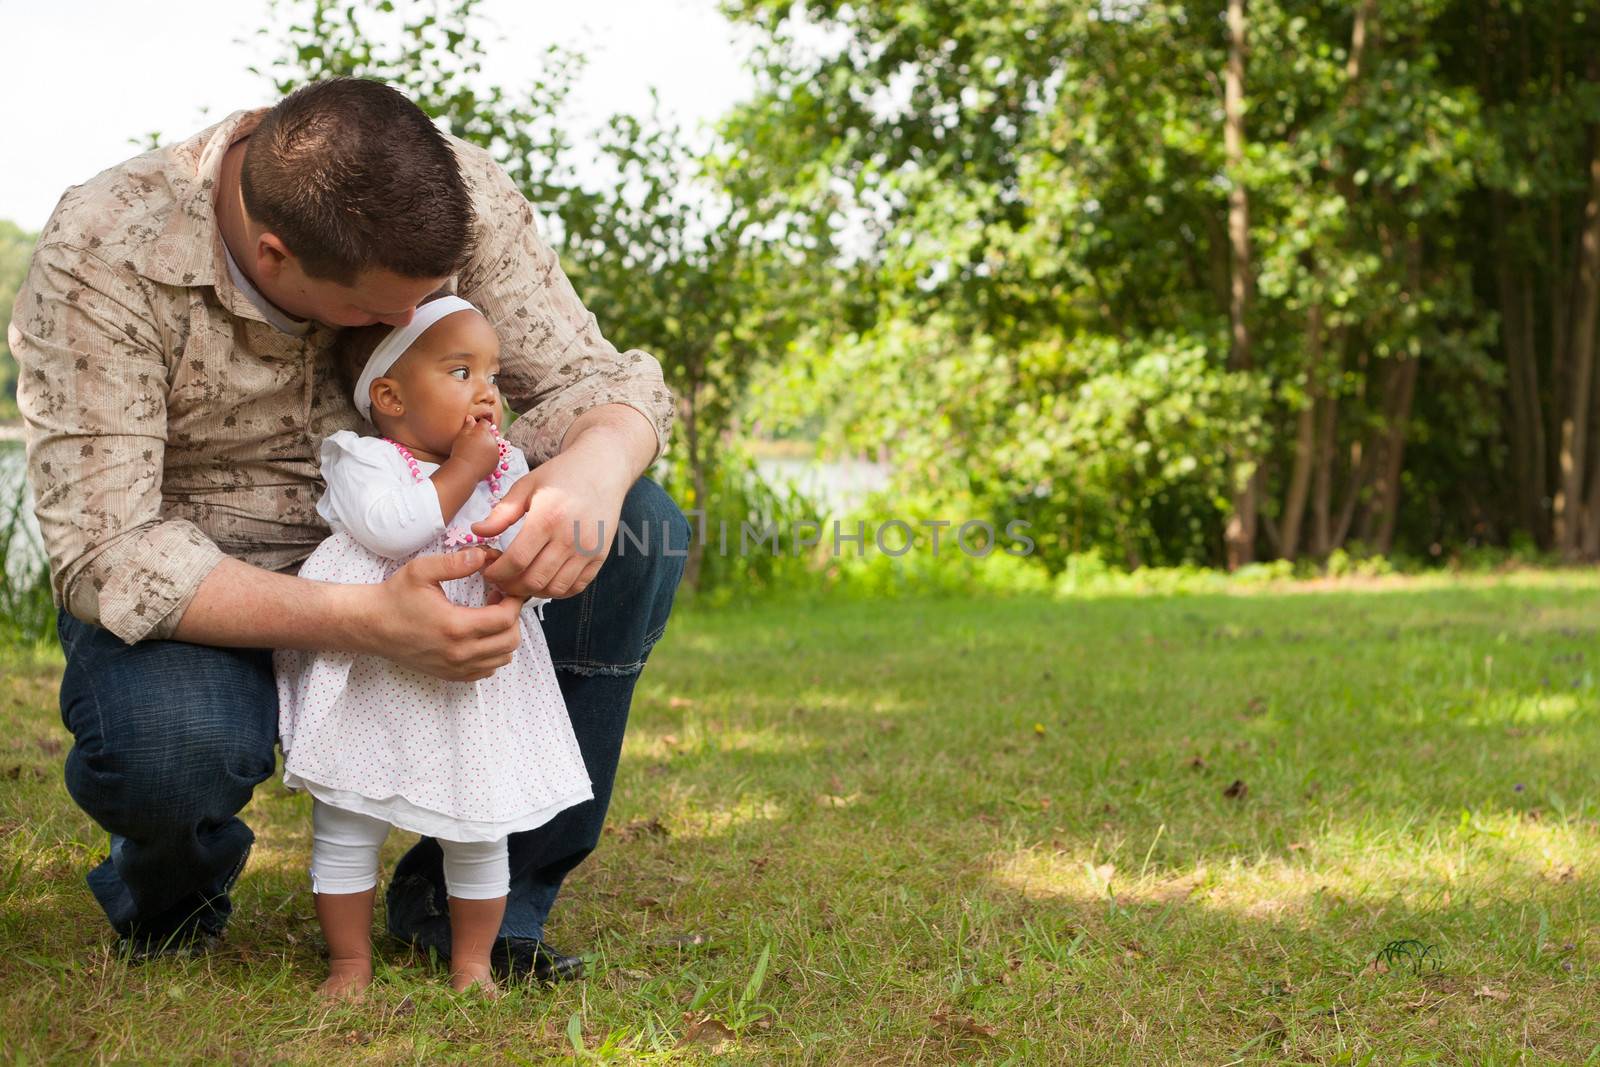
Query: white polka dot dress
(462, 761)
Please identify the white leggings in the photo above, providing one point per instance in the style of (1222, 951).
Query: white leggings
(344, 857)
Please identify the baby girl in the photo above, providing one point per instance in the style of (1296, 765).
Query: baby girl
(375, 743)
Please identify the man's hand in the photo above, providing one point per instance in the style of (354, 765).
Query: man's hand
(415, 625)
(574, 495)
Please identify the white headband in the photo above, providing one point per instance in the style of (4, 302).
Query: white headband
(392, 347)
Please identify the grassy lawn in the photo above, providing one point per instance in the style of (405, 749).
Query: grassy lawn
(1354, 825)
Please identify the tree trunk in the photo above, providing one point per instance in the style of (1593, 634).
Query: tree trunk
(1240, 533)
(1574, 441)
(1526, 422)
(1360, 472)
(1590, 541)
(1327, 450)
(1394, 451)
(1305, 440)
(1561, 286)
(1365, 22)
(1400, 387)
(1329, 531)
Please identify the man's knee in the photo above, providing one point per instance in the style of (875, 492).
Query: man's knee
(166, 735)
(652, 545)
(611, 626)
(144, 781)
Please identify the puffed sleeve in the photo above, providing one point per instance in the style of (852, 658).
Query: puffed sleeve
(372, 495)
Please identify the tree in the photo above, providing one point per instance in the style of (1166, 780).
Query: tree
(1037, 182)
(1241, 524)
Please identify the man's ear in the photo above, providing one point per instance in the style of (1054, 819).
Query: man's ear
(384, 395)
(272, 255)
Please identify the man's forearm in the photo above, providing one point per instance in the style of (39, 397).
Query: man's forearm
(617, 434)
(242, 606)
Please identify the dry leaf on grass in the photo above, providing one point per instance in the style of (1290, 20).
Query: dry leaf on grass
(680, 702)
(963, 1024)
(1491, 993)
(638, 828)
(704, 1030)
(1237, 791)
(683, 941)
(1179, 889)
(830, 800)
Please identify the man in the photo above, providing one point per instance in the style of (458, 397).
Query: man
(173, 335)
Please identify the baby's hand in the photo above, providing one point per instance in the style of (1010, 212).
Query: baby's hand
(476, 445)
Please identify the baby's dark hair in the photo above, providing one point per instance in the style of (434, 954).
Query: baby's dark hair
(354, 345)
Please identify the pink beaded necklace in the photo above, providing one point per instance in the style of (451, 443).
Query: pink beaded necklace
(456, 535)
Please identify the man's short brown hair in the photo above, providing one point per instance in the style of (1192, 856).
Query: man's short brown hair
(353, 176)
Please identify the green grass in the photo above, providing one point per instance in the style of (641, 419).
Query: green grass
(947, 830)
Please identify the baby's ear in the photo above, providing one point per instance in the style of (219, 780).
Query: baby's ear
(384, 395)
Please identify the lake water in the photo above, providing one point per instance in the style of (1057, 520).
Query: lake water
(26, 555)
(836, 486)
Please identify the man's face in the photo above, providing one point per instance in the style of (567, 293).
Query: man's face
(375, 296)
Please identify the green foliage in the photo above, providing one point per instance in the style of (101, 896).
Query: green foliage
(1030, 203)
(684, 269)
(16, 247)
(746, 525)
(433, 51)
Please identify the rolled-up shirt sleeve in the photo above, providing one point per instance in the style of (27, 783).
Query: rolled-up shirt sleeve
(555, 363)
(93, 393)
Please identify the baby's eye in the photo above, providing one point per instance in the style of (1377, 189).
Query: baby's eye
(459, 374)
(494, 379)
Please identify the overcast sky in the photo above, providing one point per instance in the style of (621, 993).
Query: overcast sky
(80, 77)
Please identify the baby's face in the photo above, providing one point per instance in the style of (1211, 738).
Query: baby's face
(448, 374)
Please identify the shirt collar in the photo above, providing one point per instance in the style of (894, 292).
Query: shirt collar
(269, 311)
(192, 252)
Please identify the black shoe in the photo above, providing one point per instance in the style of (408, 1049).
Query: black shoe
(181, 945)
(518, 957)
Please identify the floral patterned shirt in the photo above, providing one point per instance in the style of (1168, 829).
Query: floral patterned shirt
(170, 423)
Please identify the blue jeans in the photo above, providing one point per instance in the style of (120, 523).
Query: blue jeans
(171, 738)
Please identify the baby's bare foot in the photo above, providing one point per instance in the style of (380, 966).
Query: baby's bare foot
(475, 977)
(347, 980)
